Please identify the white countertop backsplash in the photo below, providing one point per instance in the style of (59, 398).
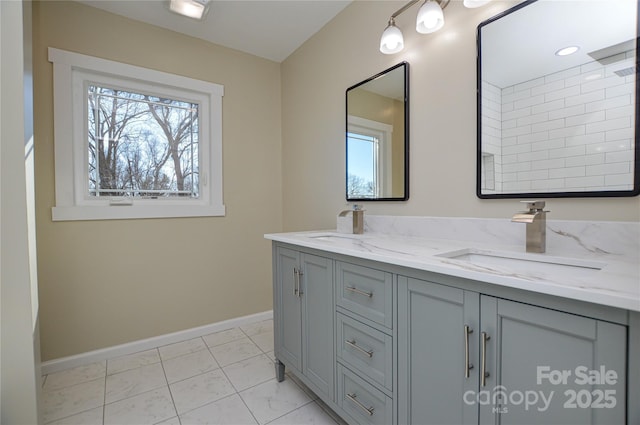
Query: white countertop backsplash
(415, 242)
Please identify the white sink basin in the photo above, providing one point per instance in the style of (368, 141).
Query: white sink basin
(327, 236)
(524, 263)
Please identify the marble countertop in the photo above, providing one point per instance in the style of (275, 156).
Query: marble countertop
(600, 277)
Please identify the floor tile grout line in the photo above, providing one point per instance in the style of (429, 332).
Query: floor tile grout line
(173, 401)
(297, 408)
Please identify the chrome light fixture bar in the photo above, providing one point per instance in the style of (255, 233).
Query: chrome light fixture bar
(430, 19)
(195, 9)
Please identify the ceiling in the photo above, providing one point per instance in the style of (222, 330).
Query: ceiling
(521, 46)
(266, 28)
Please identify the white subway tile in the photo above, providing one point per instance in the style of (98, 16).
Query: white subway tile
(533, 175)
(567, 92)
(509, 177)
(548, 106)
(548, 125)
(585, 98)
(548, 144)
(590, 67)
(576, 161)
(610, 103)
(619, 90)
(548, 87)
(567, 172)
(516, 149)
(601, 83)
(585, 139)
(548, 184)
(532, 119)
(517, 131)
(516, 96)
(533, 156)
(620, 156)
(621, 112)
(516, 167)
(584, 182)
(606, 169)
(567, 112)
(528, 84)
(623, 133)
(548, 164)
(565, 152)
(516, 186)
(534, 100)
(515, 114)
(533, 137)
(567, 132)
(620, 145)
(617, 124)
(591, 117)
(509, 124)
(509, 158)
(507, 90)
(619, 180)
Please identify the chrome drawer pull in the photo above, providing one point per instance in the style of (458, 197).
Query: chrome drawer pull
(367, 410)
(467, 365)
(483, 373)
(359, 292)
(352, 343)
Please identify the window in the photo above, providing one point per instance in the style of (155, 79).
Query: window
(368, 158)
(132, 142)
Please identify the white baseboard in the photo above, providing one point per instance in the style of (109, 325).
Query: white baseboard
(63, 363)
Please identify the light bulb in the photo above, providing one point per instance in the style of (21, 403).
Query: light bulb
(475, 3)
(391, 40)
(430, 18)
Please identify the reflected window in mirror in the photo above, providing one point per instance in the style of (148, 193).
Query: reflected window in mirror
(557, 110)
(377, 137)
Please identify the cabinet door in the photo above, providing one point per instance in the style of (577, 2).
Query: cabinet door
(549, 367)
(288, 310)
(432, 353)
(318, 312)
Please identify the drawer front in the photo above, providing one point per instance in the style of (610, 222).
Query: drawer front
(365, 291)
(365, 349)
(363, 403)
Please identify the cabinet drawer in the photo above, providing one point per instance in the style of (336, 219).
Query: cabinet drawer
(362, 402)
(365, 349)
(365, 291)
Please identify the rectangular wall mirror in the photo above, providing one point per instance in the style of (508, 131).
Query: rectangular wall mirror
(557, 100)
(377, 137)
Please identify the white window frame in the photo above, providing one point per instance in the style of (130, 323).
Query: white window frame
(72, 72)
(383, 133)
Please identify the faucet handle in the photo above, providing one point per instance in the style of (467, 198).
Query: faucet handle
(534, 205)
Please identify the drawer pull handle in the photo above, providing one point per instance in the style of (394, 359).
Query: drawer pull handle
(467, 365)
(359, 292)
(483, 373)
(367, 410)
(352, 343)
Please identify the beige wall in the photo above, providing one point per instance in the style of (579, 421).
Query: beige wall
(442, 120)
(104, 283)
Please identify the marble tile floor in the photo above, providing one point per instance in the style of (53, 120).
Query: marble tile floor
(222, 378)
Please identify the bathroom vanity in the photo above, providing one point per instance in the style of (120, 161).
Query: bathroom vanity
(425, 322)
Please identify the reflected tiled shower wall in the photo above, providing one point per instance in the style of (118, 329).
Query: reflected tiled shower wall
(568, 131)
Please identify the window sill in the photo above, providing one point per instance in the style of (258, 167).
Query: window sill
(123, 212)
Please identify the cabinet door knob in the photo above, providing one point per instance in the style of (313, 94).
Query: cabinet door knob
(467, 366)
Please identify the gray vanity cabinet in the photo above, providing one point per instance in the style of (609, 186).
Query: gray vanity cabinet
(304, 317)
(449, 337)
(432, 376)
(571, 369)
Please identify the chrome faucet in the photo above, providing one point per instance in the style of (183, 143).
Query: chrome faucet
(536, 220)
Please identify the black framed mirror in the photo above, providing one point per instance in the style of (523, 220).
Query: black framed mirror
(557, 100)
(377, 137)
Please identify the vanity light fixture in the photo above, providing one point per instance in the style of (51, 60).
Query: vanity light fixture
(566, 51)
(430, 19)
(195, 9)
